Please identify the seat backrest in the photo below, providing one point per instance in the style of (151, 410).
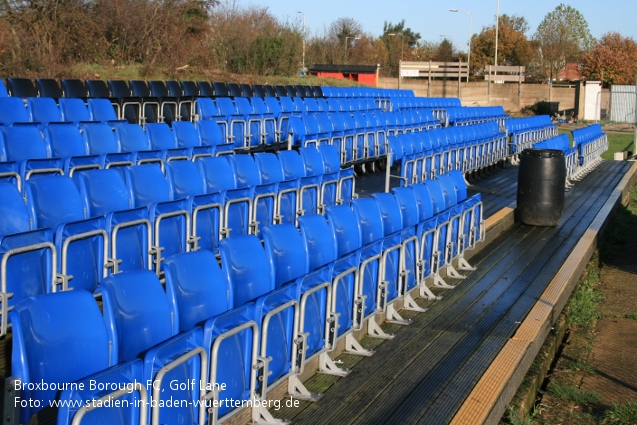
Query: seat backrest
(48, 87)
(286, 252)
(217, 173)
(423, 200)
(13, 210)
(246, 267)
(292, 164)
(24, 142)
(269, 90)
(370, 219)
(3, 89)
(12, 110)
(206, 108)
(53, 200)
(437, 195)
(346, 227)
(245, 170)
(247, 91)
(273, 106)
(196, 288)
(320, 242)
(119, 88)
(269, 167)
(313, 161)
(160, 136)
(131, 137)
(21, 87)
(448, 190)
(65, 140)
(97, 88)
(147, 184)
(58, 337)
(408, 205)
(390, 209)
(139, 88)
(158, 88)
(136, 311)
(44, 110)
(101, 109)
(234, 90)
(184, 179)
(220, 89)
(205, 89)
(73, 109)
(189, 88)
(258, 91)
(331, 158)
(74, 88)
(99, 138)
(281, 91)
(185, 134)
(104, 191)
(209, 132)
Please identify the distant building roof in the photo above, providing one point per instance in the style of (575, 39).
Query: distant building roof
(345, 69)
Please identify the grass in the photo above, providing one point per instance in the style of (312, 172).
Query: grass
(573, 394)
(631, 316)
(579, 365)
(618, 142)
(621, 414)
(582, 306)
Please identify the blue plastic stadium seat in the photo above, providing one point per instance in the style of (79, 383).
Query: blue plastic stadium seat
(73, 110)
(126, 407)
(81, 243)
(57, 338)
(136, 312)
(309, 186)
(187, 182)
(66, 142)
(29, 268)
(13, 110)
(101, 140)
(170, 218)
(105, 193)
(288, 190)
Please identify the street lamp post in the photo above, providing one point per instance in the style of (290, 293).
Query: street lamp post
(497, 24)
(469, 49)
(304, 37)
(356, 37)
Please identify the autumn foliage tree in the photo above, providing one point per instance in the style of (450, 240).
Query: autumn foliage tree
(563, 35)
(613, 60)
(514, 48)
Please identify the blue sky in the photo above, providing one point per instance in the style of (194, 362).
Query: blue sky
(432, 18)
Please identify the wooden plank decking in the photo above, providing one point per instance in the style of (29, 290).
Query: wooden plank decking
(427, 372)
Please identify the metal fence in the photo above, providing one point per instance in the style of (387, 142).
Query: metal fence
(622, 103)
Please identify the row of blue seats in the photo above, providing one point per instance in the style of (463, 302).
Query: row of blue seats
(219, 334)
(358, 136)
(591, 142)
(524, 132)
(70, 232)
(427, 154)
(475, 115)
(65, 148)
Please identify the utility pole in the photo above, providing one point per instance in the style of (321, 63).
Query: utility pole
(304, 37)
(635, 129)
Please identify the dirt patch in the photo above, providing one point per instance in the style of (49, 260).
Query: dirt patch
(614, 360)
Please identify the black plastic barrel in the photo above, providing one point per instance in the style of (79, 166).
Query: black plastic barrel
(541, 181)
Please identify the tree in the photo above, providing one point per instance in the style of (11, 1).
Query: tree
(612, 60)
(514, 49)
(395, 37)
(410, 38)
(444, 52)
(563, 37)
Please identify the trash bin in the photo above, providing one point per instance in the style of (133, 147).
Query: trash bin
(541, 181)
